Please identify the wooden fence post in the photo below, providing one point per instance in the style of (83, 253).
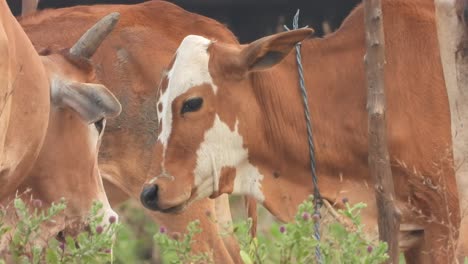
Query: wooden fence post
(28, 6)
(379, 164)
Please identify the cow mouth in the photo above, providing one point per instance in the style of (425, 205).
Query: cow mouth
(177, 209)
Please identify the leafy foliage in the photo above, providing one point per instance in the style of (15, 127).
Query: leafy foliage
(289, 243)
(176, 247)
(134, 242)
(295, 242)
(93, 246)
(252, 251)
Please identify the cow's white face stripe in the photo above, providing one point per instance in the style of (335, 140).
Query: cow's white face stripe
(222, 148)
(190, 69)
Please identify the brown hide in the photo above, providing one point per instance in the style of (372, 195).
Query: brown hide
(49, 143)
(130, 63)
(22, 126)
(263, 108)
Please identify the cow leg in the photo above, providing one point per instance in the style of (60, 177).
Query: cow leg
(225, 248)
(207, 241)
(442, 222)
(418, 254)
(224, 221)
(251, 205)
(440, 244)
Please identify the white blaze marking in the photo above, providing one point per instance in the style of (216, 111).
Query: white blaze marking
(220, 148)
(190, 69)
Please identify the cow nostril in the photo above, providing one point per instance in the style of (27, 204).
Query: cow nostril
(149, 197)
(152, 192)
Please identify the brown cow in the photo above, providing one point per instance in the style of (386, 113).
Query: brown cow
(232, 121)
(71, 119)
(130, 63)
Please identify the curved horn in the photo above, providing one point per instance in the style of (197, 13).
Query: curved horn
(91, 39)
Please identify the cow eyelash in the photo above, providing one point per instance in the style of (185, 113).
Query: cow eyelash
(191, 105)
(99, 125)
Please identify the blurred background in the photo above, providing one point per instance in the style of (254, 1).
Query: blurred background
(248, 19)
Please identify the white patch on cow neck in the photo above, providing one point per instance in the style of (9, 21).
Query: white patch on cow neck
(93, 137)
(221, 148)
(190, 69)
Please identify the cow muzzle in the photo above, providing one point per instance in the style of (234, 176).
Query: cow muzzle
(149, 197)
(154, 197)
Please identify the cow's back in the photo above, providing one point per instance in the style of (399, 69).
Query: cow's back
(24, 102)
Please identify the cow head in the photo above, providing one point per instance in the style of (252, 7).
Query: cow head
(203, 148)
(67, 165)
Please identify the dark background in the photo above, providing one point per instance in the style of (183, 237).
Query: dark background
(248, 19)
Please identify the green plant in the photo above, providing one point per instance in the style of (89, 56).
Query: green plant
(134, 242)
(290, 243)
(93, 246)
(88, 247)
(251, 250)
(27, 230)
(176, 248)
(345, 246)
(295, 242)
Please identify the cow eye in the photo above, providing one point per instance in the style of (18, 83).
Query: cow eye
(192, 105)
(99, 125)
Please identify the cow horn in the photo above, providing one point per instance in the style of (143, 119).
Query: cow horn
(91, 39)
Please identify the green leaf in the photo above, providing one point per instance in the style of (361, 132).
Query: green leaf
(52, 257)
(245, 257)
(70, 243)
(37, 251)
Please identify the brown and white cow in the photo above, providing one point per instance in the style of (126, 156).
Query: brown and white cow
(232, 121)
(53, 118)
(130, 62)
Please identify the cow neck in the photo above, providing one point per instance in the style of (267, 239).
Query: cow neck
(285, 156)
(22, 134)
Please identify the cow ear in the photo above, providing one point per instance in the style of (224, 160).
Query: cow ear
(268, 51)
(91, 101)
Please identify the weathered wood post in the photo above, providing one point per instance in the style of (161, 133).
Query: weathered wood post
(28, 6)
(379, 164)
(451, 17)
